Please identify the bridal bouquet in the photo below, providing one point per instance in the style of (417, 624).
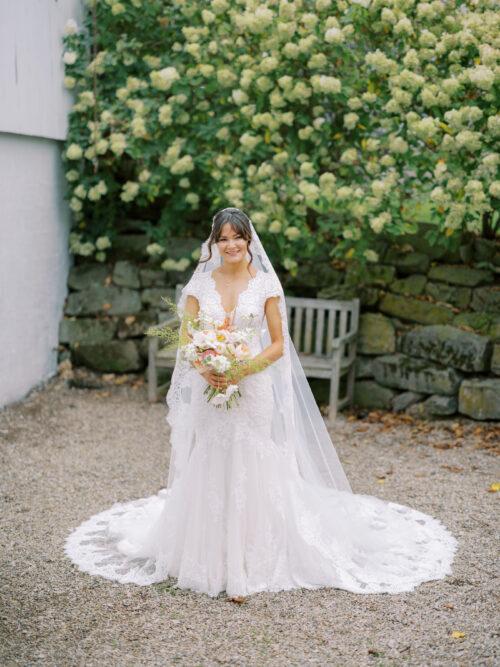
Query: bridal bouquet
(220, 347)
(213, 344)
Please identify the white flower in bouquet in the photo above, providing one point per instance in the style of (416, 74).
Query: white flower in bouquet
(220, 347)
(220, 364)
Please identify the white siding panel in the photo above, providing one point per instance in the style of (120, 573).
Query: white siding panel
(33, 98)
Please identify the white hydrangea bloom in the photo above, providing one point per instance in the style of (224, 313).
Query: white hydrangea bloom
(71, 27)
(292, 233)
(469, 139)
(307, 170)
(275, 227)
(344, 192)
(117, 8)
(326, 84)
(80, 191)
(74, 152)
(349, 156)
(226, 77)
(371, 255)
(249, 141)
(380, 62)
(380, 221)
(192, 198)
(155, 249)
(102, 243)
(350, 120)
(75, 204)
(183, 165)
(239, 96)
(494, 189)
(117, 143)
(164, 78)
(494, 125)
(481, 76)
(129, 191)
(334, 36)
(69, 57)
(138, 127)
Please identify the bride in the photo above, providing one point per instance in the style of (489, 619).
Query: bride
(256, 498)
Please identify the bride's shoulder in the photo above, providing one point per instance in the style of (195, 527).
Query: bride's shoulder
(199, 276)
(272, 285)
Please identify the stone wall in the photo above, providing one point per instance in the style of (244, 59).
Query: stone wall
(429, 339)
(110, 306)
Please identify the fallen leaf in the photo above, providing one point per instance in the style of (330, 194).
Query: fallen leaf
(238, 599)
(494, 487)
(457, 634)
(130, 319)
(453, 468)
(441, 445)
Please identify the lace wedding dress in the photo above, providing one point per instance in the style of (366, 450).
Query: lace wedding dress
(242, 519)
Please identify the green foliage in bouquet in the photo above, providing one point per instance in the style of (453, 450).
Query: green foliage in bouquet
(322, 119)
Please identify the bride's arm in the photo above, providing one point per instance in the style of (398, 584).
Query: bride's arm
(275, 350)
(269, 354)
(191, 310)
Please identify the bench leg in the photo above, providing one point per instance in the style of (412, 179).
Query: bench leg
(152, 374)
(334, 388)
(351, 376)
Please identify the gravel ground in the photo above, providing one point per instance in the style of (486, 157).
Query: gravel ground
(69, 452)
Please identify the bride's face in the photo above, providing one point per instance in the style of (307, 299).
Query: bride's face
(232, 246)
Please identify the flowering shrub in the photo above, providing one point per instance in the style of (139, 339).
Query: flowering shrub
(322, 119)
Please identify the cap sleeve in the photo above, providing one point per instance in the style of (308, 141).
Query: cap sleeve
(273, 286)
(191, 288)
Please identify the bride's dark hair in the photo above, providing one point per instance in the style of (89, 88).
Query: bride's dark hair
(239, 222)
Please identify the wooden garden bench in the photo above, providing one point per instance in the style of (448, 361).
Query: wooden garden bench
(324, 333)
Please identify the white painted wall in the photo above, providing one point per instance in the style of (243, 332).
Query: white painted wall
(33, 261)
(34, 100)
(34, 218)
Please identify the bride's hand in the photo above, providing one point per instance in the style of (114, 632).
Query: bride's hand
(214, 379)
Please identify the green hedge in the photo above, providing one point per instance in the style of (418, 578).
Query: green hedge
(322, 120)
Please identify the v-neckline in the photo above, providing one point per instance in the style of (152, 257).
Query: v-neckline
(249, 282)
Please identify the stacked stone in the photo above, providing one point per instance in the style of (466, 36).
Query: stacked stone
(107, 313)
(429, 340)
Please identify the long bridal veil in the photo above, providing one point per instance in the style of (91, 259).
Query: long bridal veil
(298, 427)
(301, 525)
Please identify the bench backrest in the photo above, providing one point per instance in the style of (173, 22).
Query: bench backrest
(315, 323)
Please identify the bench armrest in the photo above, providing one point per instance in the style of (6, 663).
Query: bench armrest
(338, 342)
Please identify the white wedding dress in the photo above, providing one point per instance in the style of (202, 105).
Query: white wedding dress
(241, 518)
